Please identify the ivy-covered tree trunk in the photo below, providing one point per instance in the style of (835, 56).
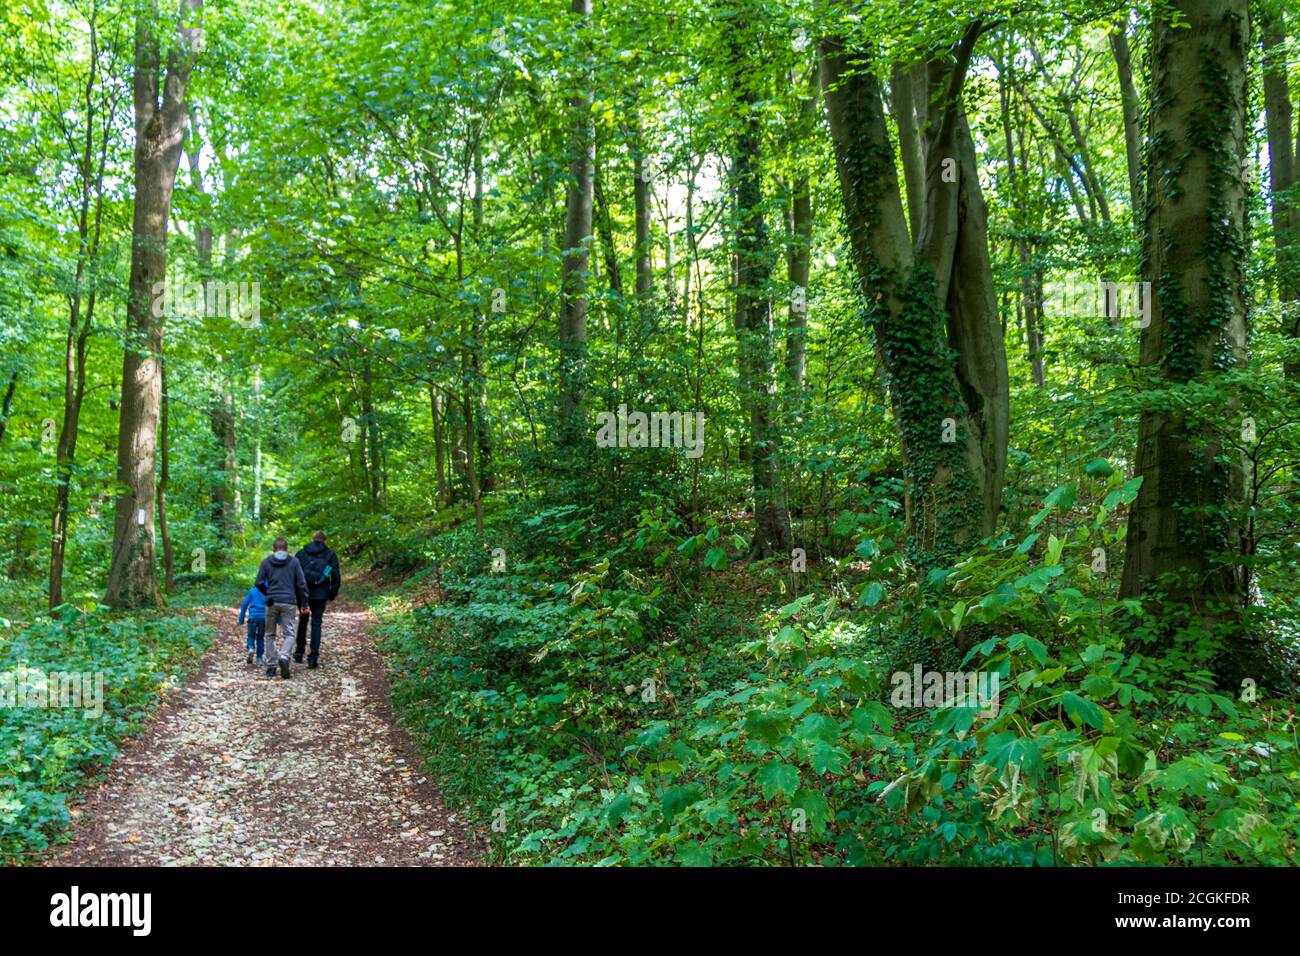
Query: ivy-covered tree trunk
(754, 318)
(1181, 533)
(159, 132)
(929, 298)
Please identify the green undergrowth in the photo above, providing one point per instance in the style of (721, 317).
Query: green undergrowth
(48, 754)
(645, 698)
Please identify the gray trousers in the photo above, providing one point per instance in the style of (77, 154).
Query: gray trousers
(285, 617)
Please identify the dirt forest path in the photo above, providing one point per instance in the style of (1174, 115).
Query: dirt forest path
(241, 769)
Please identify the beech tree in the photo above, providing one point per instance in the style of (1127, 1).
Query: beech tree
(929, 294)
(875, 450)
(576, 253)
(161, 113)
(754, 316)
(1182, 540)
(100, 113)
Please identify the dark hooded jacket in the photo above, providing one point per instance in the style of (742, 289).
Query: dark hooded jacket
(282, 581)
(321, 567)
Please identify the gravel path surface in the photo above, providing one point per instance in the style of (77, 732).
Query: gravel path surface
(241, 769)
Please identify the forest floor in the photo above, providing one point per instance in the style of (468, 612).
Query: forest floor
(242, 769)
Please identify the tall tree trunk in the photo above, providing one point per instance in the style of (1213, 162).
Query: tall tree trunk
(482, 423)
(604, 221)
(1180, 529)
(230, 522)
(798, 262)
(647, 314)
(670, 274)
(159, 133)
(929, 301)
(613, 274)
(1030, 278)
(1282, 160)
(468, 359)
(363, 462)
(1132, 117)
(164, 478)
(257, 446)
(370, 451)
(1091, 181)
(471, 468)
(79, 327)
(469, 404)
(754, 317)
(1070, 167)
(221, 413)
(645, 279)
(439, 445)
(73, 393)
(456, 431)
(909, 96)
(577, 233)
(1083, 164)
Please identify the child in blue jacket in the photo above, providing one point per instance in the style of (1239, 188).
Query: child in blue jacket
(255, 606)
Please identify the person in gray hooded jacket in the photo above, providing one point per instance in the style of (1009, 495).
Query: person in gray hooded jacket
(281, 579)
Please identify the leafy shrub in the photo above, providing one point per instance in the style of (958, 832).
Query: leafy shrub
(773, 740)
(46, 753)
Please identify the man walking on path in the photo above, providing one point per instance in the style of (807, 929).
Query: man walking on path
(321, 566)
(281, 579)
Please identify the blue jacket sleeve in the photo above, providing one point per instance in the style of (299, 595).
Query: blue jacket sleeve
(243, 607)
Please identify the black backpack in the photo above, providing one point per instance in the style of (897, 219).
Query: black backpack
(316, 569)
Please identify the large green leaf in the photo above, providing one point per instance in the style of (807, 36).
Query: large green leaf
(1083, 711)
(778, 779)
